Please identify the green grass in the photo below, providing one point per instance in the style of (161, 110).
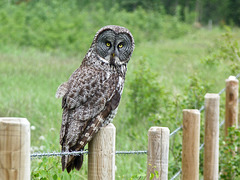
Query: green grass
(29, 79)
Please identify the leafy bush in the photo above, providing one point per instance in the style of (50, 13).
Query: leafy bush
(49, 168)
(146, 93)
(153, 103)
(229, 154)
(151, 100)
(46, 169)
(69, 26)
(227, 51)
(195, 92)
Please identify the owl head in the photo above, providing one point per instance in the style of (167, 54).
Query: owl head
(114, 45)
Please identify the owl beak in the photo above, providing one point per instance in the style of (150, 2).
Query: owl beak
(112, 59)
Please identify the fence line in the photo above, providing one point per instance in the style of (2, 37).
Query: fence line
(78, 153)
(138, 152)
(73, 153)
(156, 145)
(201, 109)
(200, 148)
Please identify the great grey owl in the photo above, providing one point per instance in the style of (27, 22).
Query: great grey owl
(91, 96)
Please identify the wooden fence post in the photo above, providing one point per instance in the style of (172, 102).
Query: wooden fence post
(101, 158)
(231, 105)
(158, 147)
(14, 149)
(190, 144)
(211, 149)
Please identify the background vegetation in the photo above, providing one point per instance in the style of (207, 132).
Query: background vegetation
(178, 58)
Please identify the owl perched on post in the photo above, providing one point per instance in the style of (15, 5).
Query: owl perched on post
(91, 96)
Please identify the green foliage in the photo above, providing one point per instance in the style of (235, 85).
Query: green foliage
(149, 100)
(145, 92)
(189, 16)
(229, 154)
(225, 11)
(47, 169)
(194, 92)
(227, 51)
(70, 27)
(141, 174)
(155, 174)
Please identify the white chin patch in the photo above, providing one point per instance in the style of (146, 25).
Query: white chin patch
(106, 60)
(118, 62)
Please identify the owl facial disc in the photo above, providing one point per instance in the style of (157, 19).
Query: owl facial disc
(114, 48)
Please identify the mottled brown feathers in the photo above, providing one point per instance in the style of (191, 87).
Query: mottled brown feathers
(91, 96)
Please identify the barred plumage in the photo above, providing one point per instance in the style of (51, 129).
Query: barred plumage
(91, 96)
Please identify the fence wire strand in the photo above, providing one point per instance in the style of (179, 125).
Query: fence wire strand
(238, 75)
(73, 153)
(78, 153)
(175, 131)
(131, 152)
(177, 174)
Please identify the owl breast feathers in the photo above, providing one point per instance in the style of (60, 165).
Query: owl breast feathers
(91, 96)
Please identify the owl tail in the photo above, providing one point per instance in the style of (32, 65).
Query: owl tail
(70, 162)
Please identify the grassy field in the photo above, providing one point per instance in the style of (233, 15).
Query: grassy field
(29, 79)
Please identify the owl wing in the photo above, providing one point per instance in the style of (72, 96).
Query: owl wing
(90, 93)
(62, 90)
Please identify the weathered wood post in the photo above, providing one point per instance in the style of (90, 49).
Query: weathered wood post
(158, 147)
(211, 149)
(101, 158)
(14, 149)
(231, 105)
(190, 144)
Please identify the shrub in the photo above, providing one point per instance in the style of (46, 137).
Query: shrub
(146, 94)
(227, 51)
(229, 154)
(70, 26)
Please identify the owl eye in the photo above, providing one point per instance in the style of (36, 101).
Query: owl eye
(108, 44)
(120, 45)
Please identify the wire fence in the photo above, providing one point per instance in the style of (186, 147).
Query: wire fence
(202, 145)
(138, 152)
(78, 153)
